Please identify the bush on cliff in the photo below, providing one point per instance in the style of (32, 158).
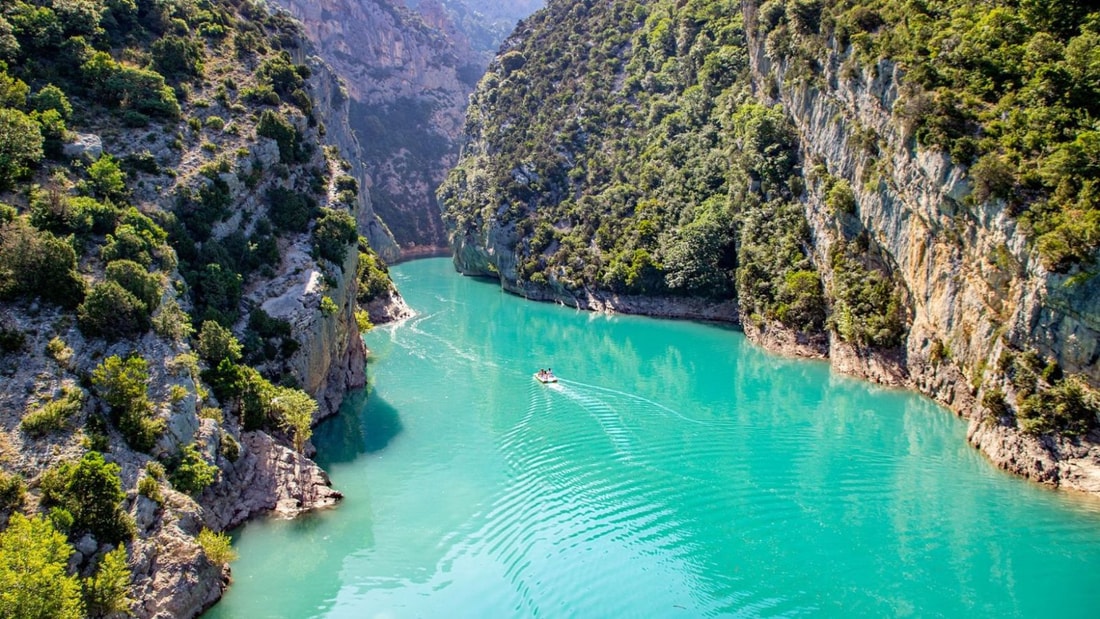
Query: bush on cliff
(190, 473)
(333, 233)
(35, 263)
(91, 492)
(113, 312)
(34, 577)
(123, 385)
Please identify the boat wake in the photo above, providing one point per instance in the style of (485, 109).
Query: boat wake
(631, 396)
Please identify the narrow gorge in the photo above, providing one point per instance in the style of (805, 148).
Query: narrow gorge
(199, 201)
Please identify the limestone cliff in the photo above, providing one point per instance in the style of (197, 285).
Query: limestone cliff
(407, 84)
(976, 285)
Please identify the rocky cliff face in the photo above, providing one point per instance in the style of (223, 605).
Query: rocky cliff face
(407, 83)
(975, 284)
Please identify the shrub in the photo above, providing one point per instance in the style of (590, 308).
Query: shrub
(172, 322)
(112, 312)
(123, 385)
(191, 473)
(53, 130)
(1069, 407)
(362, 320)
(51, 209)
(333, 233)
(144, 90)
(262, 94)
(292, 411)
(34, 559)
(177, 57)
(290, 210)
(841, 200)
(216, 546)
(50, 97)
(20, 146)
(283, 76)
(133, 277)
(347, 183)
(107, 592)
(275, 126)
(12, 492)
(217, 344)
(128, 244)
(91, 491)
(994, 401)
(107, 180)
(54, 416)
(11, 339)
(37, 263)
(149, 488)
(869, 309)
(230, 448)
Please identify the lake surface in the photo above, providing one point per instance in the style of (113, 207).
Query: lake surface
(675, 471)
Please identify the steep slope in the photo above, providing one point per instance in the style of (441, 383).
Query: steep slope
(803, 169)
(180, 269)
(480, 23)
(408, 85)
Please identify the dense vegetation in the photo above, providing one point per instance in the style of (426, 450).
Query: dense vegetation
(640, 164)
(1010, 88)
(620, 147)
(140, 194)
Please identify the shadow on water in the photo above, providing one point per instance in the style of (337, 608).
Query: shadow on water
(365, 424)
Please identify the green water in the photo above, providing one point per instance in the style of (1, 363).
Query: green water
(675, 471)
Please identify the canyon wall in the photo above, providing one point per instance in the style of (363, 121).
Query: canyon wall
(976, 285)
(407, 85)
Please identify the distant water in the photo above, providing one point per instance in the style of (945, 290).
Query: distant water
(675, 471)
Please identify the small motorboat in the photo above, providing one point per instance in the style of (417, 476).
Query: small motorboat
(545, 377)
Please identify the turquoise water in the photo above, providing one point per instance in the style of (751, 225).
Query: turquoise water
(675, 471)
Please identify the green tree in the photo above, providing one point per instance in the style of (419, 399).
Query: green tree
(216, 546)
(108, 591)
(91, 491)
(192, 473)
(177, 57)
(34, 582)
(373, 275)
(38, 264)
(138, 281)
(112, 312)
(107, 180)
(700, 262)
(290, 210)
(20, 145)
(292, 410)
(50, 97)
(332, 234)
(275, 126)
(123, 385)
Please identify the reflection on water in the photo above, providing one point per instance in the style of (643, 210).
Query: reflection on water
(361, 428)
